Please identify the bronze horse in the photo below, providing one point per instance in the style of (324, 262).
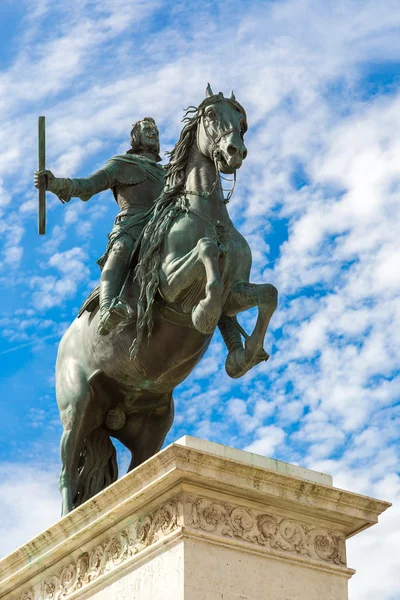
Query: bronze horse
(192, 275)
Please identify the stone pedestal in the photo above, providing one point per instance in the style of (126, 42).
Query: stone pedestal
(198, 521)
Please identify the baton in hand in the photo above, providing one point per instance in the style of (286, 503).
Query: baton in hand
(41, 167)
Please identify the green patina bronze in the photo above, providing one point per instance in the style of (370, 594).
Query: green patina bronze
(175, 268)
(136, 180)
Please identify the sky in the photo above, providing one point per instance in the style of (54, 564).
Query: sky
(318, 199)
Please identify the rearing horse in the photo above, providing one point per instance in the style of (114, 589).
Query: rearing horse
(193, 274)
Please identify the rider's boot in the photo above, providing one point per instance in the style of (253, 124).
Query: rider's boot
(113, 309)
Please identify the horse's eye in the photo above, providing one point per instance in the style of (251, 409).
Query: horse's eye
(210, 113)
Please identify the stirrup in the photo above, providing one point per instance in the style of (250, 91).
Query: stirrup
(118, 311)
(118, 306)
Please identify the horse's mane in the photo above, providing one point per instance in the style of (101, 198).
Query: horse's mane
(169, 205)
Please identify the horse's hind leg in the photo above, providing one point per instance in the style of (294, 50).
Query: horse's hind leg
(79, 416)
(243, 296)
(144, 434)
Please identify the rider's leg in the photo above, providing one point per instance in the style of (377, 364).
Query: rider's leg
(113, 309)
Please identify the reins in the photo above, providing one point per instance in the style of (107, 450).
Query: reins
(214, 152)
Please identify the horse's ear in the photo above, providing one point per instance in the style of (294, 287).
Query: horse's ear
(209, 91)
(232, 96)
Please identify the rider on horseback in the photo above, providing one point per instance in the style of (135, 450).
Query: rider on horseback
(136, 180)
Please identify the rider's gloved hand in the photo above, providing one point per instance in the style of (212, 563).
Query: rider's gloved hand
(43, 177)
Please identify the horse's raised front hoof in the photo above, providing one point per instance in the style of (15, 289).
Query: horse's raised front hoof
(239, 361)
(205, 318)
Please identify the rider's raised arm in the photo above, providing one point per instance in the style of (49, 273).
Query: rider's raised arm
(84, 188)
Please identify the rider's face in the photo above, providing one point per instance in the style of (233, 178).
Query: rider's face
(149, 135)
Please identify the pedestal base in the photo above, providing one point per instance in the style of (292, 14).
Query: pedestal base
(198, 521)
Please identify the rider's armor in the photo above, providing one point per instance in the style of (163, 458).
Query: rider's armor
(136, 182)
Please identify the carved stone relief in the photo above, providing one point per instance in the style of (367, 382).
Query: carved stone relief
(108, 554)
(212, 516)
(263, 529)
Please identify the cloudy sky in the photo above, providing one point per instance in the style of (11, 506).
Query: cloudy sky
(318, 199)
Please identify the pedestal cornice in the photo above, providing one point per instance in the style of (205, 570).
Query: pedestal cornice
(184, 492)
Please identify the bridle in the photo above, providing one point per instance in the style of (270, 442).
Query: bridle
(218, 138)
(215, 152)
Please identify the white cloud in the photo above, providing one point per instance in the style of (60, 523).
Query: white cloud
(13, 255)
(12, 248)
(29, 503)
(373, 553)
(269, 438)
(53, 291)
(5, 197)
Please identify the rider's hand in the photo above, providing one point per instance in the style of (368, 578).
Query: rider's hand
(44, 176)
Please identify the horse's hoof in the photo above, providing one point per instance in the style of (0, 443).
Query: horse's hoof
(203, 321)
(262, 356)
(239, 362)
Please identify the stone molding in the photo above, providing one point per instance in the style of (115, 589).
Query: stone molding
(187, 494)
(271, 532)
(267, 530)
(168, 468)
(108, 554)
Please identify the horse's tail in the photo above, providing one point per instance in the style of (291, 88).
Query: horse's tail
(97, 466)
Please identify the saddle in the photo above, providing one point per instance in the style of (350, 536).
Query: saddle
(178, 318)
(91, 302)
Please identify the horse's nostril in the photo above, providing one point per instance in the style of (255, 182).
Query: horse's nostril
(244, 154)
(231, 150)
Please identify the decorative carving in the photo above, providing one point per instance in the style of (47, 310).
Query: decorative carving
(108, 554)
(263, 529)
(150, 529)
(26, 596)
(212, 516)
(330, 546)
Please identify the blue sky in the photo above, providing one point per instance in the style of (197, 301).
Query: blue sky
(317, 198)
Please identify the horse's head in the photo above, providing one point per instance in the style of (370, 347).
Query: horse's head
(221, 130)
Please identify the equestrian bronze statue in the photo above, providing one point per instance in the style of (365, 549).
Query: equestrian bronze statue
(185, 271)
